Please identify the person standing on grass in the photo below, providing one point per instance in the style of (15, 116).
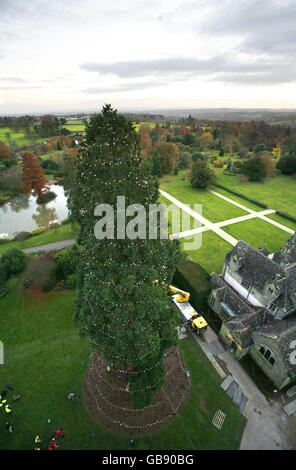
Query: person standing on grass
(8, 426)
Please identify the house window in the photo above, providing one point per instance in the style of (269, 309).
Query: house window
(268, 355)
(245, 284)
(272, 307)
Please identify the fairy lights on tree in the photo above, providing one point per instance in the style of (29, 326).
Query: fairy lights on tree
(129, 320)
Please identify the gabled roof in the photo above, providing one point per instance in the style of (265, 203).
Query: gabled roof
(284, 332)
(256, 266)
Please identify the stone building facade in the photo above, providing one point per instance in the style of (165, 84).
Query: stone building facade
(255, 298)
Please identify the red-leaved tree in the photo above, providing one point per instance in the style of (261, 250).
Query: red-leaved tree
(34, 179)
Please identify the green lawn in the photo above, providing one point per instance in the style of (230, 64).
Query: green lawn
(278, 193)
(75, 126)
(46, 359)
(256, 232)
(240, 200)
(213, 208)
(64, 232)
(18, 137)
(184, 218)
(212, 252)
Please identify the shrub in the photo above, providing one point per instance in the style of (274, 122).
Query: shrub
(67, 260)
(71, 281)
(13, 261)
(27, 283)
(202, 176)
(197, 156)
(287, 164)
(46, 197)
(254, 169)
(38, 231)
(22, 236)
(48, 284)
(218, 163)
(53, 224)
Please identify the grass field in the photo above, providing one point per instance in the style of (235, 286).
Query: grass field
(18, 137)
(257, 232)
(75, 126)
(213, 208)
(64, 232)
(46, 359)
(278, 193)
(211, 254)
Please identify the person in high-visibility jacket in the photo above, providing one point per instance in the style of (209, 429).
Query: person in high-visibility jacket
(7, 409)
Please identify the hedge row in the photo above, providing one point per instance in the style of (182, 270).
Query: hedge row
(286, 216)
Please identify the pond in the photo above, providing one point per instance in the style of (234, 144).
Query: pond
(23, 213)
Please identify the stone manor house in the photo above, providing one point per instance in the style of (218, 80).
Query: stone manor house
(255, 297)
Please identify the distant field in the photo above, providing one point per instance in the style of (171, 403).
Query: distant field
(75, 126)
(18, 137)
(278, 193)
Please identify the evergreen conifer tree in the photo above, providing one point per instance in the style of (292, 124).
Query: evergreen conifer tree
(128, 318)
(156, 165)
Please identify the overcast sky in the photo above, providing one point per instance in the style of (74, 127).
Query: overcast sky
(79, 54)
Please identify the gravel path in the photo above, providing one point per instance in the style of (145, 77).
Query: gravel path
(50, 246)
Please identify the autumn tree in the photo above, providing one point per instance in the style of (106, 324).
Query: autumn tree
(34, 179)
(4, 152)
(168, 153)
(269, 163)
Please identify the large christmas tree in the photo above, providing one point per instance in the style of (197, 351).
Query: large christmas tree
(129, 319)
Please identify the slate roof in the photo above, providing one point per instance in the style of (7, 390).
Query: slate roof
(256, 267)
(287, 254)
(227, 295)
(284, 332)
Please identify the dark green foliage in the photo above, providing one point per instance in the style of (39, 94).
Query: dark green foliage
(156, 164)
(259, 148)
(128, 319)
(197, 156)
(236, 167)
(202, 176)
(21, 236)
(71, 281)
(287, 164)
(27, 283)
(48, 284)
(49, 164)
(188, 139)
(13, 261)
(46, 197)
(254, 169)
(184, 160)
(221, 153)
(67, 261)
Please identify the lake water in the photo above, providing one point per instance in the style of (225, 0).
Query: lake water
(22, 213)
